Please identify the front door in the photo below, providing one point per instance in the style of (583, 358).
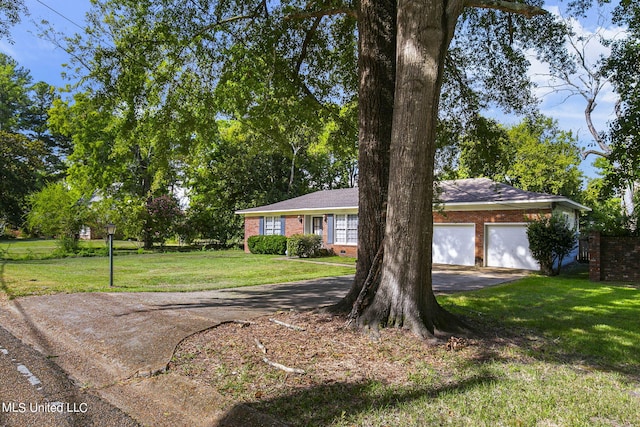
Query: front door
(316, 225)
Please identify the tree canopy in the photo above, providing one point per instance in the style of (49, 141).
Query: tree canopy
(58, 211)
(622, 67)
(21, 173)
(31, 154)
(545, 159)
(534, 155)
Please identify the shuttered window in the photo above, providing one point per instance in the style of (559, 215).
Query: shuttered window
(272, 225)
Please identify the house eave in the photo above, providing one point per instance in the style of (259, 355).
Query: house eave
(446, 206)
(300, 211)
(513, 205)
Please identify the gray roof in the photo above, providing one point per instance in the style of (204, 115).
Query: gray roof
(461, 191)
(341, 198)
(477, 190)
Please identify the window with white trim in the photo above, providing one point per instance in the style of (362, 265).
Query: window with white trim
(346, 227)
(272, 225)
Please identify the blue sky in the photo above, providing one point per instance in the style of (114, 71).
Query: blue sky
(40, 57)
(44, 61)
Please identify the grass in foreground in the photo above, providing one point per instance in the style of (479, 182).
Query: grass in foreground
(537, 364)
(190, 271)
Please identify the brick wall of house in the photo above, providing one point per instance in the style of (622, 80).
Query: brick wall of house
(614, 258)
(251, 228)
(344, 250)
(294, 226)
(480, 218)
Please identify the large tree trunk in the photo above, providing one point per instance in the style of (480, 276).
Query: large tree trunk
(405, 296)
(376, 69)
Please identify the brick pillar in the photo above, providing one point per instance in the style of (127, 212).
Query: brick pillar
(595, 268)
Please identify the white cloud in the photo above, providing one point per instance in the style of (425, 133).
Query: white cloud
(562, 101)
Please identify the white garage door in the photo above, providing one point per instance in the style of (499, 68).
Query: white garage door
(454, 244)
(507, 246)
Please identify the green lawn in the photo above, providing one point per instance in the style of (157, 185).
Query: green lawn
(175, 271)
(592, 322)
(20, 249)
(569, 355)
(336, 259)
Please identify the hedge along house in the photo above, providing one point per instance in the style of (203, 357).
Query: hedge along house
(476, 221)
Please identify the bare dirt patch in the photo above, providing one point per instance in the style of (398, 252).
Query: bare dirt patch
(338, 362)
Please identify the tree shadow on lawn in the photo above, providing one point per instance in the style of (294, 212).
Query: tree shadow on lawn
(328, 403)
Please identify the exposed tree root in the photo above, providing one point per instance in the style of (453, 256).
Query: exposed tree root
(286, 325)
(428, 321)
(369, 288)
(275, 364)
(370, 311)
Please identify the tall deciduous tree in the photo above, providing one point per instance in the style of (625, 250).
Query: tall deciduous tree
(580, 74)
(253, 54)
(545, 158)
(237, 168)
(622, 68)
(58, 211)
(485, 151)
(585, 74)
(125, 158)
(533, 155)
(35, 124)
(14, 99)
(404, 296)
(377, 74)
(166, 85)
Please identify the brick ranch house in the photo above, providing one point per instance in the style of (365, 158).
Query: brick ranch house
(477, 221)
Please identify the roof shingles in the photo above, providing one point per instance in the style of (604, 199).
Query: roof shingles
(461, 191)
(476, 190)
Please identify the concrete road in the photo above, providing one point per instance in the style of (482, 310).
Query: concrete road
(114, 343)
(34, 391)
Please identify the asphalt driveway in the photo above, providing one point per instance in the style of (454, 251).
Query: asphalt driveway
(114, 343)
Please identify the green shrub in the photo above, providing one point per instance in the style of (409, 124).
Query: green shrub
(268, 245)
(551, 239)
(304, 245)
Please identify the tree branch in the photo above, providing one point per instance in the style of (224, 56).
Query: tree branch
(606, 150)
(594, 152)
(307, 40)
(507, 6)
(283, 367)
(323, 12)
